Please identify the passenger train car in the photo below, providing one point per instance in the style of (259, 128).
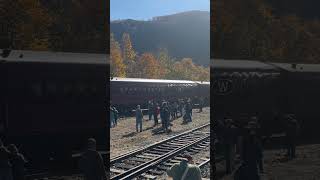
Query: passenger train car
(243, 88)
(126, 93)
(51, 102)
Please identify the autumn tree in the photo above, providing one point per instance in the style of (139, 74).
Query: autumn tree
(129, 54)
(30, 22)
(117, 67)
(251, 30)
(148, 66)
(166, 63)
(128, 51)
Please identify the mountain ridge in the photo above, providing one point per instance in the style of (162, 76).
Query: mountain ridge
(184, 35)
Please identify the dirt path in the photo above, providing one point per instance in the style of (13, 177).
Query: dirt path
(124, 138)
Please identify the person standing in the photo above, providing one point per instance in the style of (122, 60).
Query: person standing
(155, 113)
(292, 129)
(229, 141)
(112, 123)
(18, 161)
(181, 107)
(5, 166)
(188, 110)
(251, 149)
(150, 109)
(166, 117)
(91, 162)
(116, 115)
(200, 104)
(162, 113)
(139, 117)
(175, 105)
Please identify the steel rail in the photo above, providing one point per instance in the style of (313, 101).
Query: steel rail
(204, 163)
(132, 153)
(145, 167)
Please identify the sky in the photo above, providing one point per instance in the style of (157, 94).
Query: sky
(146, 9)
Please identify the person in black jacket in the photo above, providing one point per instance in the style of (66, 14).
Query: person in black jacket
(251, 149)
(166, 116)
(91, 163)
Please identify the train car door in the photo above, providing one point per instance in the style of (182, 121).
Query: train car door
(3, 103)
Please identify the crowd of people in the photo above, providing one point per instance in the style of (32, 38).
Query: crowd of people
(246, 141)
(163, 111)
(11, 163)
(167, 111)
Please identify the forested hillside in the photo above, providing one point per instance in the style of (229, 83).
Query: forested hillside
(184, 34)
(254, 29)
(57, 25)
(127, 62)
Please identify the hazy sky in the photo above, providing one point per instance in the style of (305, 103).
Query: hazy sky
(146, 9)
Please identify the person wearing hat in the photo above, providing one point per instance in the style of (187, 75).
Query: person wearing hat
(139, 117)
(17, 161)
(91, 162)
(185, 170)
(5, 166)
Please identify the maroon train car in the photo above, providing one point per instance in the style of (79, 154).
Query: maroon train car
(52, 101)
(126, 93)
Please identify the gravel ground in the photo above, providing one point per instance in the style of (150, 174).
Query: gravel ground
(123, 138)
(277, 167)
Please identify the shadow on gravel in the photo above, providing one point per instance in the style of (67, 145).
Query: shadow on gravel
(147, 129)
(185, 122)
(129, 134)
(158, 130)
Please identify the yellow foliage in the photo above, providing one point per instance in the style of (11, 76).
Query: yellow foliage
(148, 66)
(117, 67)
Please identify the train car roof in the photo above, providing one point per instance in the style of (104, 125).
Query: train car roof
(56, 57)
(118, 79)
(293, 67)
(257, 65)
(240, 64)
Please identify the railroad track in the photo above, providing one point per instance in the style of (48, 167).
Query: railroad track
(152, 161)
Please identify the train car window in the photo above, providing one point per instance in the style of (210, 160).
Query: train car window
(121, 90)
(129, 91)
(37, 89)
(81, 88)
(67, 89)
(94, 90)
(51, 88)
